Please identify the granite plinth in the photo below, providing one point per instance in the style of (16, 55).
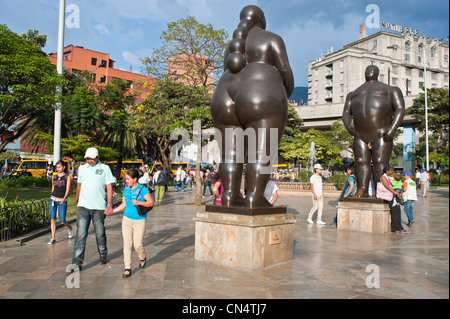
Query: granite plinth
(246, 210)
(242, 241)
(364, 214)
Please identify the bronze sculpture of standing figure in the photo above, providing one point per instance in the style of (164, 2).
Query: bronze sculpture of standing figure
(377, 110)
(252, 93)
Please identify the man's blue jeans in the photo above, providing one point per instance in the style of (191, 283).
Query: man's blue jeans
(84, 217)
(408, 207)
(182, 185)
(207, 184)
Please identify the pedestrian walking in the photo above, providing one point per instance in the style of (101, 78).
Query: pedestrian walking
(93, 201)
(409, 197)
(58, 200)
(271, 192)
(424, 182)
(207, 183)
(133, 224)
(160, 181)
(179, 178)
(144, 178)
(317, 195)
(418, 178)
(326, 175)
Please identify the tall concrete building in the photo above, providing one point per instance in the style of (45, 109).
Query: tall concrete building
(400, 56)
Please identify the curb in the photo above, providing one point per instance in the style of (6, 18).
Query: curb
(18, 241)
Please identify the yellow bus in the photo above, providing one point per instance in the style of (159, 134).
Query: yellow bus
(37, 167)
(173, 167)
(126, 165)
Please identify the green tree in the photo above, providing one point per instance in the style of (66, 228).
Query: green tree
(117, 130)
(326, 151)
(27, 83)
(339, 136)
(438, 123)
(171, 105)
(197, 47)
(191, 53)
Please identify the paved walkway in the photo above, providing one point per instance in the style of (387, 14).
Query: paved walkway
(327, 263)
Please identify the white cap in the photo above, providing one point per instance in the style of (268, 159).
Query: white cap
(318, 166)
(91, 152)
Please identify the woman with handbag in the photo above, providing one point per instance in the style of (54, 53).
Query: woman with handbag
(137, 201)
(386, 192)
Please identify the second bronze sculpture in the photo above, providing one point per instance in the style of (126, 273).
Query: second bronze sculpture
(252, 93)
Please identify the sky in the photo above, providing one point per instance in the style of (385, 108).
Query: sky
(129, 30)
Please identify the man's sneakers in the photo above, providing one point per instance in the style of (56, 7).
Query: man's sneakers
(319, 222)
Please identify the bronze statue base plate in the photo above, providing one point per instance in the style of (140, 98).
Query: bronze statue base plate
(246, 210)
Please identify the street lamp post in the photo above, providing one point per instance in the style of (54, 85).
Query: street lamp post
(426, 101)
(59, 89)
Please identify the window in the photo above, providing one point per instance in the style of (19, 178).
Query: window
(395, 69)
(102, 79)
(433, 53)
(420, 55)
(421, 84)
(445, 61)
(420, 73)
(342, 87)
(433, 75)
(93, 77)
(394, 81)
(408, 71)
(382, 78)
(341, 76)
(93, 61)
(341, 64)
(407, 52)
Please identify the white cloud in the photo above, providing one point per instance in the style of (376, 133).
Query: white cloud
(102, 29)
(131, 58)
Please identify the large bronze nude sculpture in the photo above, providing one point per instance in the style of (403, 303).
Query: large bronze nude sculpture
(252, 93)
(377, 110)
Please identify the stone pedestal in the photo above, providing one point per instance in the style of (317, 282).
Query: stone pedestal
(364, 215)
(246, 242)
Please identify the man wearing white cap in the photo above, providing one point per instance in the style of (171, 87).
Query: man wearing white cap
(93, 199)
(317, 195)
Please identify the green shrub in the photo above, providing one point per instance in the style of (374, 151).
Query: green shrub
(338, 179)
(25, 181)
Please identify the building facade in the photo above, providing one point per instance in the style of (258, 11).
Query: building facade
(400, 58)
(101, 67)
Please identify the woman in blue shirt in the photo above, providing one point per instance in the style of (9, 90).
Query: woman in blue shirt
(133, 225)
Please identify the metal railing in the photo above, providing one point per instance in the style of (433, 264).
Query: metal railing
(18, 218)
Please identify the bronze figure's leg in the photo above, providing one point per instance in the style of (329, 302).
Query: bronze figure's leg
(363, 170)
(381, 154)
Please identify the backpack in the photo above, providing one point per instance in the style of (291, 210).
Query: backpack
(162, 179)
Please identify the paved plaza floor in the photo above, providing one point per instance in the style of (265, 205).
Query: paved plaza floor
(327, 264)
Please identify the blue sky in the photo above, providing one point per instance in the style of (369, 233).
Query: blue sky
(128, 30)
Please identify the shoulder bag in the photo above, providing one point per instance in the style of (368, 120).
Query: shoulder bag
(142, 210)
(383, 192)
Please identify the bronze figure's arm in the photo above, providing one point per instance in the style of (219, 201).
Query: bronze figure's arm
(347, 114)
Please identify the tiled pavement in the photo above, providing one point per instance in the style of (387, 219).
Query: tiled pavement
(327, 263)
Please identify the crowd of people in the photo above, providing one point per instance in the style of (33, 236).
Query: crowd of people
(94, 200)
